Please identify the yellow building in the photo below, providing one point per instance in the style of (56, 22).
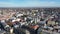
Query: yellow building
(51, 22)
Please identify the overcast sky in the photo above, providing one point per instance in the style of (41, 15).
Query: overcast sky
(29, 3)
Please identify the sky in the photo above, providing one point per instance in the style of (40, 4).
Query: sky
(29, 3)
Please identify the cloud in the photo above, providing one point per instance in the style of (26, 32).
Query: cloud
(6, 4)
